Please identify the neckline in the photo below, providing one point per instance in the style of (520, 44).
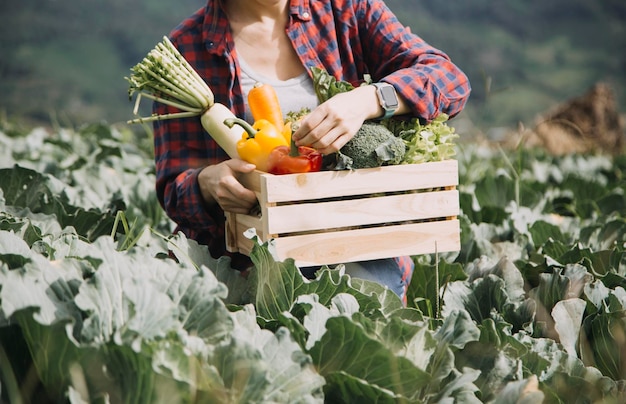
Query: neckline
(245, 67)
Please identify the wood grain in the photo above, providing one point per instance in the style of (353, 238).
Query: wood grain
(332, 217)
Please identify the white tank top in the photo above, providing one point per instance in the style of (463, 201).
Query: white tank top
(293, 94)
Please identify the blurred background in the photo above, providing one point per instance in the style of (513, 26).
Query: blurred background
(65, 61)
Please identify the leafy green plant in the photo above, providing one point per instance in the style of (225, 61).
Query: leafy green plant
(100, 303)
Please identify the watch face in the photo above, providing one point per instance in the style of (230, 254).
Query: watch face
(388, 94)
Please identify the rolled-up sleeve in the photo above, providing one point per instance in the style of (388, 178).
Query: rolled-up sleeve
(424, 76)
(182, 149)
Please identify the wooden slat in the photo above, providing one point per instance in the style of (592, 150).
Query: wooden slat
(244, 245)
(363, 211)
(343, 240)
(232, 233)
(328, 184)
(348, 246)
(247, 221)
(236, 225)
(373, 243)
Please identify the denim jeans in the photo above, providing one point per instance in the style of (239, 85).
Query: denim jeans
(384, 271)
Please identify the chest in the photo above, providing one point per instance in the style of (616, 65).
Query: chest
(268, 51)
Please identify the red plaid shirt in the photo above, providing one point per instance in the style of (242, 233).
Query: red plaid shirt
(348, 38)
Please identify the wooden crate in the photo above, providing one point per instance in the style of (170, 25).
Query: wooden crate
(332, 217)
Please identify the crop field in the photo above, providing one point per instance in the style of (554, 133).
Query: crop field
(99, 302)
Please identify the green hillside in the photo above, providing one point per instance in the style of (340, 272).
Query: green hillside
(524, 56)
(67, 59)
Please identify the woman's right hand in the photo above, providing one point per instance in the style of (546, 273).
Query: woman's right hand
(220, 184)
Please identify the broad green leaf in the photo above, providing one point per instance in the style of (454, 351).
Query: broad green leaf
(14, 252)
(618, 295)
(347, 348)
(593, 191)
(291, 376)
(129, 377)
(414, 341)
(458, 329)
(542, 231)
(343, 387)
(192, 255)
(560, 285)
(614, 281)
(596, 262)
(521, 392)
(563, 387)
(531, 268)
(612, 203)
(289, 321)
(613, 232)
(276, 283)
(504, 269)
(43, 194)
(27, 230)
(565, 378)
(381, 297)
(568, 316)
(461, 389)
(485, 297)
(604, 333)
(563, 206)
(500, 335)
(493, 215)
(495, 367)
(554, 249)
(201, 309)
(235, 281)
(315, 320)
(521, 315)
(189, 253)
(184, 362)
(597, 293)
(49, 288)
(495, 191)
(53, 352)
(132, 296)
(424, 292)
(29, 189)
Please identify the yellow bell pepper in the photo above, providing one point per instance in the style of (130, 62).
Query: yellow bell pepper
(257, 141)
(287, 132)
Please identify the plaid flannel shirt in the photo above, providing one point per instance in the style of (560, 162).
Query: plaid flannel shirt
(348, 38)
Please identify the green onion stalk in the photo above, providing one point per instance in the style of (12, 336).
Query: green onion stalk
(165, 76)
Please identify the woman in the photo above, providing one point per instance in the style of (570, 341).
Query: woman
(234, 43)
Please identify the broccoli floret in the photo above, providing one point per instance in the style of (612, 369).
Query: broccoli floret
(373, 146)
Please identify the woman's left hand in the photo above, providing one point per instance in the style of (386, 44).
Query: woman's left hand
(333, 123)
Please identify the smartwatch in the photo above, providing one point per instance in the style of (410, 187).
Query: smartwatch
(387, 98)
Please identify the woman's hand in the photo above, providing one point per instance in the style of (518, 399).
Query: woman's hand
(219, 184)
(332, 124)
